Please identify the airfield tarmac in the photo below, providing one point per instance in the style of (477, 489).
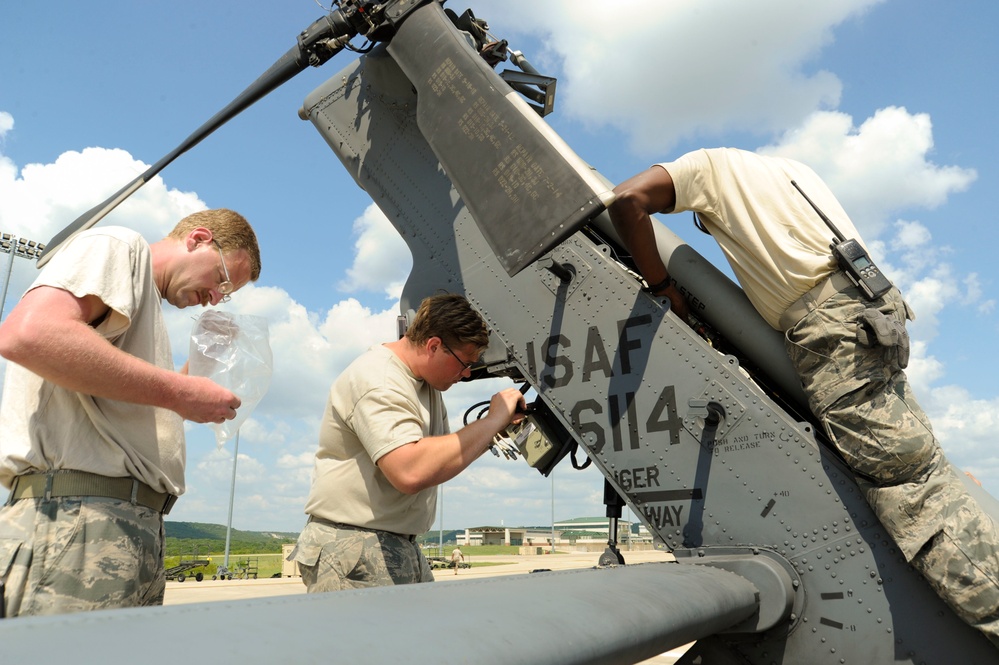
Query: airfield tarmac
(190, 591)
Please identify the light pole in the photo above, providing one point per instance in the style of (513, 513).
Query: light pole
(440, 532)
(232, 494)
(553, 510)
(14, 246)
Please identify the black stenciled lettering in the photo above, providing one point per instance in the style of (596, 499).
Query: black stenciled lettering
(665, 417)
(660, 516)
(626, 478)
(653, 475)
(632, 420)
(654, 514)
(553, 360)
(676, 513)
(595, 356)
(639, 478)
(615, 412)
(625, 344)
(591, 427)
(615, 418)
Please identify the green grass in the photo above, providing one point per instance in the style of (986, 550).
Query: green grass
(268, 565)
(196, 539)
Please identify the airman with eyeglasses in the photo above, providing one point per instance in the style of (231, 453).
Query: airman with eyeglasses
(385, 445)
(93, 407)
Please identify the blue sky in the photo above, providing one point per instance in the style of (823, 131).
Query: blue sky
(891, 101)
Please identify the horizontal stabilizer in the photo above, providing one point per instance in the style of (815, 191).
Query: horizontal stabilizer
(608, 615)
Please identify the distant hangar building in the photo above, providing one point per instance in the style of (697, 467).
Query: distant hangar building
(576, 531)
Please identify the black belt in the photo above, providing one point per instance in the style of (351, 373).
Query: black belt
(339, 525)
(81, 483)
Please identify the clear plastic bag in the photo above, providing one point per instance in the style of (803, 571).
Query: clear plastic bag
(234, 351)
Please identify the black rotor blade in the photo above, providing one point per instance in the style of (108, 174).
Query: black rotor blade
(290, 64)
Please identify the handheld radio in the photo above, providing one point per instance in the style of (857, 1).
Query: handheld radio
(853, 258)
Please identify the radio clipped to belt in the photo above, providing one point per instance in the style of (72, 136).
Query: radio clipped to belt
(853, 259)
(874, 327)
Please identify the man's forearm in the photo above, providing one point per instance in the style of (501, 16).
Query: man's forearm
(436, 459)
(74, 356)
(634, 226)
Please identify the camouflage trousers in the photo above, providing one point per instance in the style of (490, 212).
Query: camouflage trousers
(857, 388)
(75, 554)
(332, 558)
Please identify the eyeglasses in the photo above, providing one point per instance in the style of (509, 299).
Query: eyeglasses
(226, 287)
(464, 365)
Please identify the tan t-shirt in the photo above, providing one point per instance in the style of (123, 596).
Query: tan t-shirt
(375, 406)
(777, 244)
(48, 427)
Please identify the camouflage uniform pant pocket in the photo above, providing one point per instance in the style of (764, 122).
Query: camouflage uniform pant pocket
(87, 554)
(16, 525)
(331, 559)
(9, 549)
(884, 436)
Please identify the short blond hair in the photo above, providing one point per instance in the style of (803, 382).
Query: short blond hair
(229, 229)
